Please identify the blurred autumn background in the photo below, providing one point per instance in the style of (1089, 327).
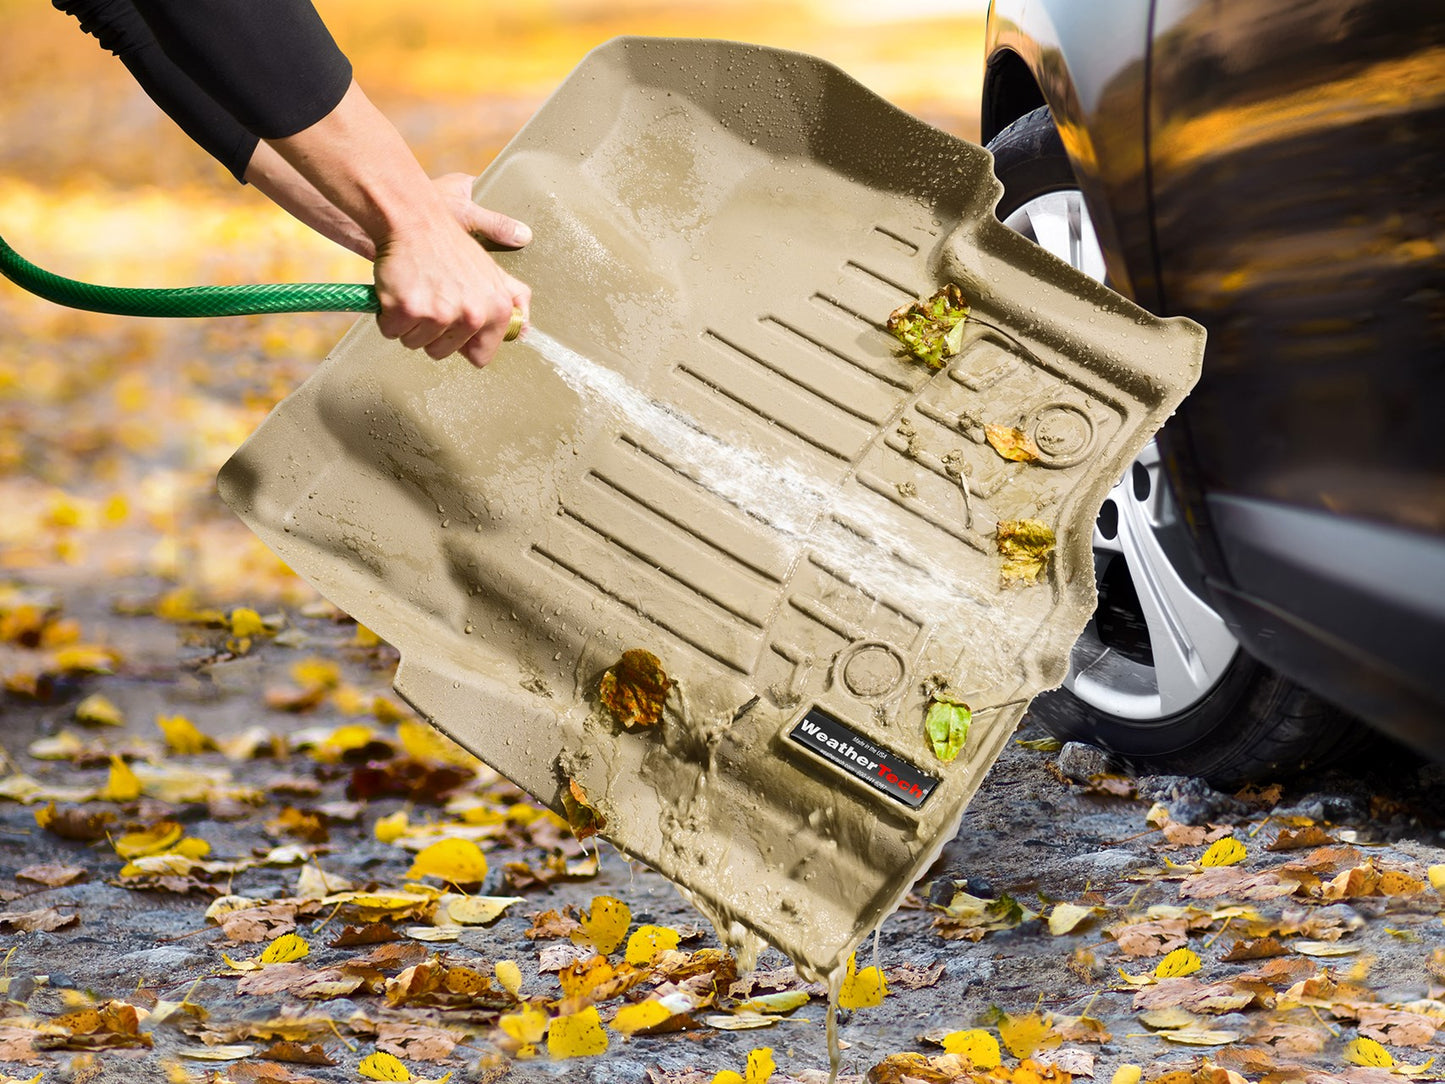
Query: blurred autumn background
(111, 429)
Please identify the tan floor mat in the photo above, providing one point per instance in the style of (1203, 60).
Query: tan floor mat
(751, 482)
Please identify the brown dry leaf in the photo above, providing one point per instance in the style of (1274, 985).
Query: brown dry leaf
(52, 876)
(1289, 1038)
(416, 1041)
(550, 924)
(634, 688)
(304, 824)
(262, 1073)
(297, 1053)
(298, 980)
(1236, 883)
(372, 933)
(1261, 948)
(1397, 1028)
(1297, 839)
(111, 1025)
(920, 1069)
(1192, 996)
(1155, 938)
(74, 823)
(41, 920)
(1025, 545)
(914, 976)
(582, 816)
(1011, 443)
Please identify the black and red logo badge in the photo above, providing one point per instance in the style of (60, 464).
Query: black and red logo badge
(880, 768)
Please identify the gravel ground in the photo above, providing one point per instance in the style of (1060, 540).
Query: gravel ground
(1031, 833)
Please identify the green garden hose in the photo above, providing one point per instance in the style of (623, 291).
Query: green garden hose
(195, 300)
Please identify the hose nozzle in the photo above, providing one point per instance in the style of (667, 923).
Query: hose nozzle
(514, 326)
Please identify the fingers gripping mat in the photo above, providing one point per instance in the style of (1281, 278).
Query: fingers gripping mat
(738, 472)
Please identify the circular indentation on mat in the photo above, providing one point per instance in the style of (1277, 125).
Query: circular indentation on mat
(1063, 434)
(871, 669)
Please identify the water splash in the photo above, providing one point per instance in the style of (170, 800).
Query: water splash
(851, 531)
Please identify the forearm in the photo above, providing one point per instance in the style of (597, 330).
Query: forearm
(358, 161)
(277, 179)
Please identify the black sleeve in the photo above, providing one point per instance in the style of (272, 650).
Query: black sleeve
(119, 28)
(271, 64)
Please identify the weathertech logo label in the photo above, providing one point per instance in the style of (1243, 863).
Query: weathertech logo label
(880, 769)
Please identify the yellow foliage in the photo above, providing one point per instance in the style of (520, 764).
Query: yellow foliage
(1028, 1034)
(641, 1016)
(647, 941)
(246, 622)
(181, 735)
(122, 786)
(1180, 962)
(314, 673)
(456, 861)
(861, 989)
(759, 1068)
(1437, 877)
(1224, 852)
(1368, 1052)
(97, 710)
(605, 925)
(383, 1066)
(425, 742)
(526, 1026)
(577, 1035)
(1127, 1074)
(510, 977)
(284, 949)
(159, 837)
(391, 827)
(977, 1045)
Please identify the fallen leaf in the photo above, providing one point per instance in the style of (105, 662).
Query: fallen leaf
(1180, 962)
(582, 816)
(1011, 443)
(52, 876)
(931, 327)
(577, 1035)
(1262, 948)
(633, 689)
(509, 975)
(41, 920)
(861, 989)
(181, 735)
(477, 910)
(978, 1046)
(1066, 917)
(605, 925)
(946, 725)
(1025, 1035)
(97, 710)
(1223, 852)
(647, 941)
(760, 1067)
(1368, 1052)
(455, 861)
(1025, 545)
(122, 785)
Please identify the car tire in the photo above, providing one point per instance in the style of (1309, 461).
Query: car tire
(1214, 712)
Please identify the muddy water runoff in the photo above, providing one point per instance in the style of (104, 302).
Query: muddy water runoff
(795, 505)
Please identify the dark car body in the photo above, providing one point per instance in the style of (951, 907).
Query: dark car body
(1276, 171)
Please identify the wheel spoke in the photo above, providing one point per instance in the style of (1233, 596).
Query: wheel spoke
(1190, 642)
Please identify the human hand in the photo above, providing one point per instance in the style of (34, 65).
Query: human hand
(442, 292)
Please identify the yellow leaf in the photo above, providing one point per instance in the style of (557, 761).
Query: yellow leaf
(89, 657)
(784, 1002)
(191, 847)
(245, 622)
(647, 941)
(456, 861)
(727, 1076)
(579, 1035)
(314, 673)
(383, 1066)
(526, 1026)
(605, 925)
(97, 710)
(425, 742)
(153, 840)
(1395, 883)
(1180, 962)
(181, 735)
(392, 827)
(1024, 1035)
(288, 947)
(510, 976)
(365, 637)
(1437, 877)
(1127, 1074)
(1224, 852)
(122, 786)
(760, 1065)
(479, 910)
(641, 1016)
(1367, 1052)
(1011, 443)
(1066, 916)
(861, 989)
(977, 1045)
